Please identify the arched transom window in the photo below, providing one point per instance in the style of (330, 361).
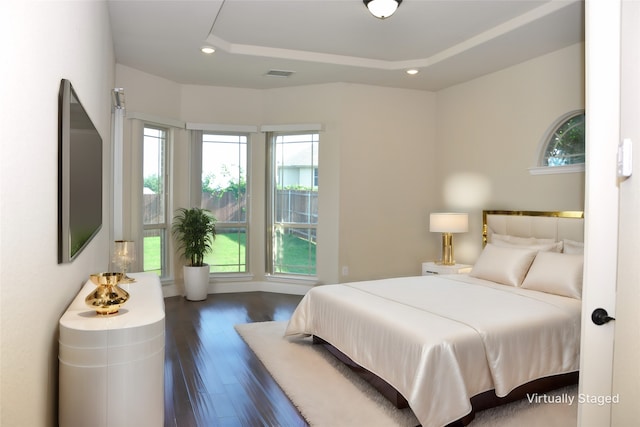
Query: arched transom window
(562, 148)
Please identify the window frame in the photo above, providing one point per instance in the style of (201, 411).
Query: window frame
(197, 195)
(164, 227)
(541, 168)
(270, 189)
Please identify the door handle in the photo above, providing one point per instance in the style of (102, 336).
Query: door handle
(600, 316)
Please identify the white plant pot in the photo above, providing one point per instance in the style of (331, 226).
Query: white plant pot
(196, 282)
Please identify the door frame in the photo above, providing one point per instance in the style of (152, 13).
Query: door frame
(602, 67)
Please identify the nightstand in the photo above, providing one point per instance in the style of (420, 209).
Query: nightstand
(432, 267)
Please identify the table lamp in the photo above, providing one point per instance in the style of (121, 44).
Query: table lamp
(448, 223)
(124, 254)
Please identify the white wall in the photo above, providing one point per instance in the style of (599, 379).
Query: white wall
(388, 176)
(41, 43)
(627, 291)
(489, 132)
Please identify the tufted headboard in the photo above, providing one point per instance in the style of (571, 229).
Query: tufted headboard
(539, 224)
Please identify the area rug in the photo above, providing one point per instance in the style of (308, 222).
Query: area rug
(328, 394)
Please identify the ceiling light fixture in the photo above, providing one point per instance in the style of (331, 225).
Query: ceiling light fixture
(412, 72)
(207, 49)
(382, 9)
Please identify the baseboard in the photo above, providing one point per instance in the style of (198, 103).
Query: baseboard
(171, 290)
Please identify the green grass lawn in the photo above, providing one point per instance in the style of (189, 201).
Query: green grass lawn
(296, 256)
(151, 251)
(229, 254)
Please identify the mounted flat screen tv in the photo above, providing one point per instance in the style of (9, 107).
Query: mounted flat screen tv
(79, 176)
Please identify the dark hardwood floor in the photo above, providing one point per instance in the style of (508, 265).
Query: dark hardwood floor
(212, 378)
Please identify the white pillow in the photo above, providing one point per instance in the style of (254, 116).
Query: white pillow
(500, 264)
(519, 240)
(554, 273)
(573, 247)
(537, 246)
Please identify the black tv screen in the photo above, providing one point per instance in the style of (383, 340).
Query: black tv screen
(79, 176)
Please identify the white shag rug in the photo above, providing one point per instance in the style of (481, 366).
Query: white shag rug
(328, 394)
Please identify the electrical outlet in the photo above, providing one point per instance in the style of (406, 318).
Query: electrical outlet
(345, 270)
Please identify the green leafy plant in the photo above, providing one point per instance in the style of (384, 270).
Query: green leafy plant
(195, 231)
(152, 182)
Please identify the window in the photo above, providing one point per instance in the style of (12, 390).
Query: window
(154, 172)
(292, 203)
(566, 144)
(224, 193)
(563, 146)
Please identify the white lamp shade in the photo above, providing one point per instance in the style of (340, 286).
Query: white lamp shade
(449, 222)
(382, 8)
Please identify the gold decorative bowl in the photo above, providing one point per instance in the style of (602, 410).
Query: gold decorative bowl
(106, 278)
(108, 297)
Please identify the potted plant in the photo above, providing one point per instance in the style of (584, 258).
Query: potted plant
(195, 231)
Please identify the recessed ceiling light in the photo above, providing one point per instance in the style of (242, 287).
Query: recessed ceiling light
(207, 49)
(412, 71)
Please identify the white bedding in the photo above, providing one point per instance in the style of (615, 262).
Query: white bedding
(439, 340)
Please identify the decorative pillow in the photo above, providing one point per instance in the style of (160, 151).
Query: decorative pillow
(537, 246)
(573, 247)
(500, 264)
(555, 273)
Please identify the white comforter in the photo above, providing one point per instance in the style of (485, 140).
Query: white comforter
(439, 340)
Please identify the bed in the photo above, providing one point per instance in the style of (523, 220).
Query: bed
(450, 345)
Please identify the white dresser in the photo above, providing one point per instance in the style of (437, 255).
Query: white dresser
(112, 367)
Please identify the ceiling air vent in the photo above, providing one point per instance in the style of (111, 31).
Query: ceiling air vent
(279, 73)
